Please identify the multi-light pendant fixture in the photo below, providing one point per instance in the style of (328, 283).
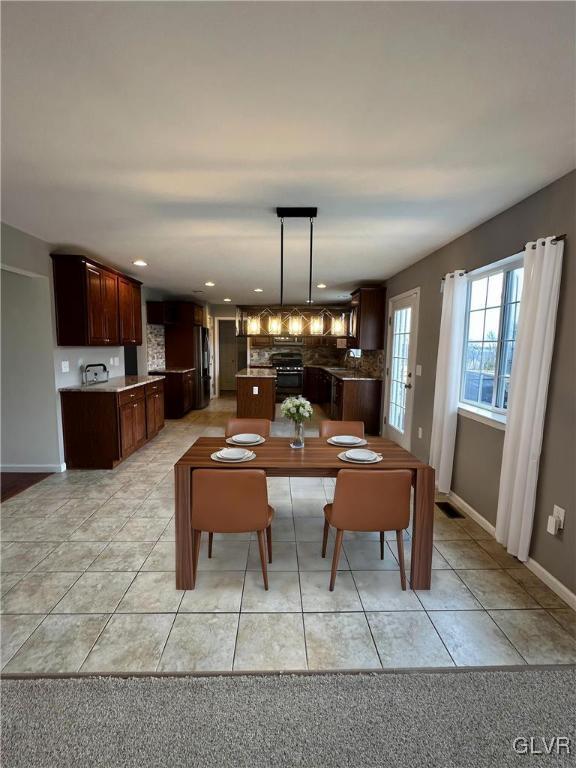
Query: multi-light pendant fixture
(294, 320)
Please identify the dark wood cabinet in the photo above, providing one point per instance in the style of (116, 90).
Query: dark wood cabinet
(367, 318)
(129, 311)
(179, 392)
(103, 428)
(170, 312)
(312, 376)
(95, 304)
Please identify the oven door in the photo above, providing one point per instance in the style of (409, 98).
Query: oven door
(289, 383)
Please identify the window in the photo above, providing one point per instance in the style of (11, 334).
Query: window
(492, 313)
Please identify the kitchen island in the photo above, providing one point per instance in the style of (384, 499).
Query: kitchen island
(256, 393)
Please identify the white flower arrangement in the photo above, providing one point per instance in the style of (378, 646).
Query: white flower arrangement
(296, 409)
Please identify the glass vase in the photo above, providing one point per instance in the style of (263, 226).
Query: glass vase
(298, 439)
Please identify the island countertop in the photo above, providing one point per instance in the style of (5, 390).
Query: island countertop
(116, 384)
(257, 373)
(171, 370)
(346, 374)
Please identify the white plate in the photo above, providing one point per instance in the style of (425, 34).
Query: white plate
(258, 440)
(245, 438)
(233, 454)
(361, 454)
(248, 457)
(375, 460)
(347, 440)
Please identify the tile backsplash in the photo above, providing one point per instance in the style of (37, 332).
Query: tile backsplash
(370, 362)
(156, 347)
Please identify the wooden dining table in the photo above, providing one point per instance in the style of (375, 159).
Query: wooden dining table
(317, 459)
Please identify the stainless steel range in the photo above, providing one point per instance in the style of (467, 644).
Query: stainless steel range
(289, 372)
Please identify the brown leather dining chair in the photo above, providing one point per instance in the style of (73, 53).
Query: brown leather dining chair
(231, 501)
(369, 500)
(333, 428)
(251, 426)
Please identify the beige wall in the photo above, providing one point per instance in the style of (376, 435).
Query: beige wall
(479, 447)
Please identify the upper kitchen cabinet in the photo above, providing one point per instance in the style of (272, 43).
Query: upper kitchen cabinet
(96, 306)
(130, 311)
(368, 311)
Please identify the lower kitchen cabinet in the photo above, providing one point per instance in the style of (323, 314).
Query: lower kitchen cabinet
(102, 428)
(179, 391)
(345, 399)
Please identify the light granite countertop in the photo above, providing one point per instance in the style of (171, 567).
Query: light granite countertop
(116, 384)
(171, 370)
(347, 375)
(257, 373)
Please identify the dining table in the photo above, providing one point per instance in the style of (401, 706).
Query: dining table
(317, 459)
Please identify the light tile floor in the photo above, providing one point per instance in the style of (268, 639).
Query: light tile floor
(88, 584)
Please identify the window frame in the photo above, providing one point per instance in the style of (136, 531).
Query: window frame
(505, 266)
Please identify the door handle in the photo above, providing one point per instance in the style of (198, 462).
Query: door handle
(407, 386)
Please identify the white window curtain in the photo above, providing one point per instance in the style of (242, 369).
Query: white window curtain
(448, 370)
(528, 394)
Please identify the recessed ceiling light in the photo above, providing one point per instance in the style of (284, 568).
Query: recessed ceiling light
(227, 300)
(257, 290)
(321, 285)
(140, 263)
(210, 284)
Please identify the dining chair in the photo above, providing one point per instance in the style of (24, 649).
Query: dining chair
(333, 428)
(231, 501)
(369, 500)
(255, 426)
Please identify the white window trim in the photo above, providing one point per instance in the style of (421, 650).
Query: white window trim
(493, 417)
(490, 418)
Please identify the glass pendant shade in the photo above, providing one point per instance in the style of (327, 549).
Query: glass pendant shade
(253, 326)
(295, 326)
(275, 326)
(338, 326)
(317, 325)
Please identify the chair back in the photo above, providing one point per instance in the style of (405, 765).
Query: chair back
(250, 426)
(372, 500)
(333, 428)
(229, 500)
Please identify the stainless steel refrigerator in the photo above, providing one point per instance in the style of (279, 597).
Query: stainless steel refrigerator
(202, 358)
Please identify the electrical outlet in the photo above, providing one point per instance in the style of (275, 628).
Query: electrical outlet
(420, 433)
(111, 361)
(116, 361)
(559, 514)
(254, 390)
(65, 366)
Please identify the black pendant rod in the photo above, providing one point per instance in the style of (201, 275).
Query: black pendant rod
(282, 262)
(310, 275)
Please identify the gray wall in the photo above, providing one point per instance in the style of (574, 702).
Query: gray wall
(479, 447)
(29, 404)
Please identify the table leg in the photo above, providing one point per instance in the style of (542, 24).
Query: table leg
(422, 526)
(183, 525)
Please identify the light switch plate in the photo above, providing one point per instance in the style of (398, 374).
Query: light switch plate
(559, 514)
(420, 433)
(418, 370)
(65, 366)
(116, 361)
(254, 390)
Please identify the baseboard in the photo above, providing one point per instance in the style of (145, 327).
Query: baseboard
(33, 468)
(545, 576)
(471, 512)
(551, 581)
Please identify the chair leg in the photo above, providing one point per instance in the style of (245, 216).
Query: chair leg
(400, 542)
(262, 547)
(210, 539)
(196, 538)
(325, 537)
(336, 558)
(381, 545)
(269, 542)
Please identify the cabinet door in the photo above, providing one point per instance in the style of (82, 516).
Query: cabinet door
(159, 410)
(151, 427)
(125, 311)
(188, 392)
(137, 313)
(127, 428)
(95, 308)
(110, 306)
(139, 409)
(198, 315)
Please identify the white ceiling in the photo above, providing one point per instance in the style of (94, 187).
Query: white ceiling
(170, 131)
